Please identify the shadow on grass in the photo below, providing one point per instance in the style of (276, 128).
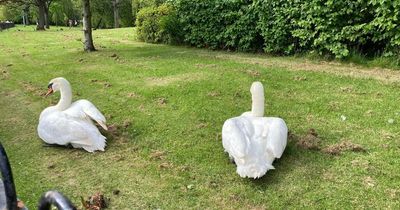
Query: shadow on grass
(300, 164)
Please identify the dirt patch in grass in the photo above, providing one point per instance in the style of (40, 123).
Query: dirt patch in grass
(336, 68)
(310, 141)
(253, 73)
(30, 87)
(95, 202)
(164, 81)
(162, 101)
(337, 149)
(157, 155)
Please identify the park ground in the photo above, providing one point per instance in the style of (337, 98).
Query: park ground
(165, 106)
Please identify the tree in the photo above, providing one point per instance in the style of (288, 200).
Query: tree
(116, 15)
(87, 27)
(47, 4)
(41, 4)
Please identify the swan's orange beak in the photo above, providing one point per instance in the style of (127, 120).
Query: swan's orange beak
(49, 91)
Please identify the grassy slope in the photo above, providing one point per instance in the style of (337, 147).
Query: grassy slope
(201, 89)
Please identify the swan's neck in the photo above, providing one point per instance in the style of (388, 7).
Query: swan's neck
(257, 106)
(66, 98)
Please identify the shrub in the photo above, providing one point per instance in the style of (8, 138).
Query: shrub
(158, 25)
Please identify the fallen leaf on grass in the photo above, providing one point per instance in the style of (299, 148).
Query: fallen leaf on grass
(132, 95)
(369, 182)
(299, 78)
(157, 155)
(213, 94)
(165, 165)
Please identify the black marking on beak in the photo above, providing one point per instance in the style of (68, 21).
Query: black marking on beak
(50, 85)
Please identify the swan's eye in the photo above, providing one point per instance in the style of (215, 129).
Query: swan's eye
(50, 85)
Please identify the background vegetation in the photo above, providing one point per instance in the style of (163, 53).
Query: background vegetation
(60, 11)
(340, 29)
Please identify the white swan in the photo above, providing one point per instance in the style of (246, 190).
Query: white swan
(254, 141)
(67, 123)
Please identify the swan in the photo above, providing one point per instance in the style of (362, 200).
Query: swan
(67, 123)
(252, 140)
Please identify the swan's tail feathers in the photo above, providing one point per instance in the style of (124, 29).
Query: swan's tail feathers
(91, 145)
(103, 125)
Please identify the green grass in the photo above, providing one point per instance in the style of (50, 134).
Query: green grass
(202, 89)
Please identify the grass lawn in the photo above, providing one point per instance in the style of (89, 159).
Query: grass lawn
(167, 105)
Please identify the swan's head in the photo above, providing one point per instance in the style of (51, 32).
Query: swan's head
(257, 89)
(56, 84)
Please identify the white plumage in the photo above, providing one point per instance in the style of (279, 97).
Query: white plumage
(67, 123)
(254, 141)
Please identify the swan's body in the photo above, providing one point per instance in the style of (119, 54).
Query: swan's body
(67, 123)
(254, 141)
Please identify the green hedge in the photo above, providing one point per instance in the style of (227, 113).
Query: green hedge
(290, 26)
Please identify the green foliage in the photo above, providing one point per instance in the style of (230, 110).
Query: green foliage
(219, 24)
(326, 27)
(2, 18)
(63, 10)
(158, 25)
(12, 12)
(125, 13)
(137, 5)
(103, 13)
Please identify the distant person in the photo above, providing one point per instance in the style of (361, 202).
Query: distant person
(70, 23)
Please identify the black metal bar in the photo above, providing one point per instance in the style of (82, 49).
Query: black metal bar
(57, 199)
(9, 187)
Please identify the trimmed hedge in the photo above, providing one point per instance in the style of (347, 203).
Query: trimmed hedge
(370, 27)
(326, 27)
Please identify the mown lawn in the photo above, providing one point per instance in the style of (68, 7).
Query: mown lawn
(166, 106)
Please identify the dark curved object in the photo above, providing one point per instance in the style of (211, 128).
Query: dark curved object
(9, 187)
(57, 199)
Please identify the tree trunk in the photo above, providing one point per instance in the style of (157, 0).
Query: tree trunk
(46, 17)
(41, 5)
(116, 15)
(87, 27)
(26, 14)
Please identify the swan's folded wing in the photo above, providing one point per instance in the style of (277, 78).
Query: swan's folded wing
(61, 129)
(277, 136)
(85, 109)
(235, 141)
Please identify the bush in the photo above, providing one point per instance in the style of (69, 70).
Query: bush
(326, 27)
(219, 24)
(158, 25)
